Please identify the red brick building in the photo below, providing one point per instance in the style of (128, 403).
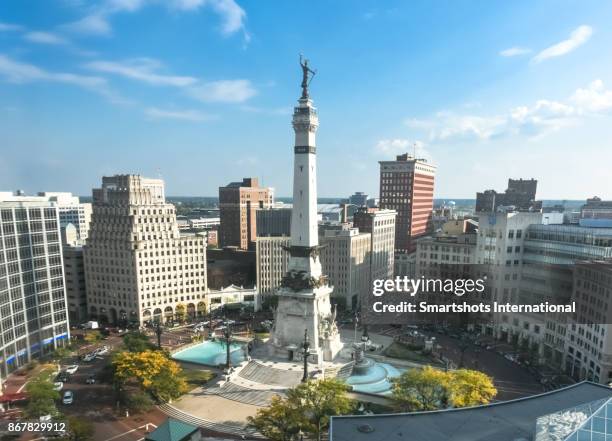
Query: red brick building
(407, 186)
(238, 205)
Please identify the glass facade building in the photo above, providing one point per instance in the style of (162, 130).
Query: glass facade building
(33, 313)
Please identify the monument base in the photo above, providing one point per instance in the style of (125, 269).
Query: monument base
(310, 310)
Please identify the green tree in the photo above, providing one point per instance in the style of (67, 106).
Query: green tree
(278, 422)
(317, 400)
(137, 401)
(137, 342)
(421, 389)
(79, 429)
(41, 397)
(470, 388)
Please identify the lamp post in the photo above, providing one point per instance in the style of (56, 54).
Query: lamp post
(158, 331)
(227, 334)
(305, 354)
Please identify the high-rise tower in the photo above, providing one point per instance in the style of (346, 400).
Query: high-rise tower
(304, 295)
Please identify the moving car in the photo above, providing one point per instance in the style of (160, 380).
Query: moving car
(72, 368)
(68, 397)
(58, 385)
(91, 380)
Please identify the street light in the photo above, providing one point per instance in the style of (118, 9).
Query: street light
(227, 334)
(305, 354)
(158, 331)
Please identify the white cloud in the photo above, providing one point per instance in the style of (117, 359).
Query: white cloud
(184, 115)
(232, 15)
(145, 70)
(514, 51)
(21, 73)
(397, 146)
(577, 38)
(45, 38)
(97, 23)
(533, 121)
(595, 98)
(17, 72)
(8, 27)
(94, 24)
(141, 69)
(543, 117)
(229, 91)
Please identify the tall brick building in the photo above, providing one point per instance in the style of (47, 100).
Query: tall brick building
(238, 205)
(407, 186)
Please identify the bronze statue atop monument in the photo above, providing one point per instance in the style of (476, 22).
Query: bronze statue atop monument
(306, 73)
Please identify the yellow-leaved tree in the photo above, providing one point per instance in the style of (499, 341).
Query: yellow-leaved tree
(471, 388)
(153, 371)
(431, 389)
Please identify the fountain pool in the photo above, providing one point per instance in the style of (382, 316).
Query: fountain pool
(211, 353)
(375, 378)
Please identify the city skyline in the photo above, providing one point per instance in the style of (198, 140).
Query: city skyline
(90, 90)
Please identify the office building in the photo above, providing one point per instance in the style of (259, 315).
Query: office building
(520, 195)
(359, 199)
(71, 211)
(33, 304)
(238, 205)
(551, 254)
(596, 213)
(345, 257)
(407, 186)
(273, 222)
(381, 226)
(138, 266)
(272, 261)
(74, 275)
(500, 247)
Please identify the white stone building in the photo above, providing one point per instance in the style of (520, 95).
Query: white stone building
(345, 255)
(138, 266)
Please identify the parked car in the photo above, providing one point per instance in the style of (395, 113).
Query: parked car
(72, 368)
(89, 357)
(68, 397)
(91, 380)
(62, 377)
(102, 351)
(58, 385)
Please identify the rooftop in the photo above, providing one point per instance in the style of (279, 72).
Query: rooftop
(505, 421)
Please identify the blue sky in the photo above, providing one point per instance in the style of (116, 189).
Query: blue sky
(201, 91)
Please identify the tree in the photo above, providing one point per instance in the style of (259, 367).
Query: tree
(317, 400)
(470, 388)
(179, 313)
(201, 308)
(137, 401)
(79, 429)
(279, 422)
(153, 371)
(270, 302)
(421, 389)
(137, 342)
(41, 398)
(431, 389)
(93, 337)
(307, 408)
